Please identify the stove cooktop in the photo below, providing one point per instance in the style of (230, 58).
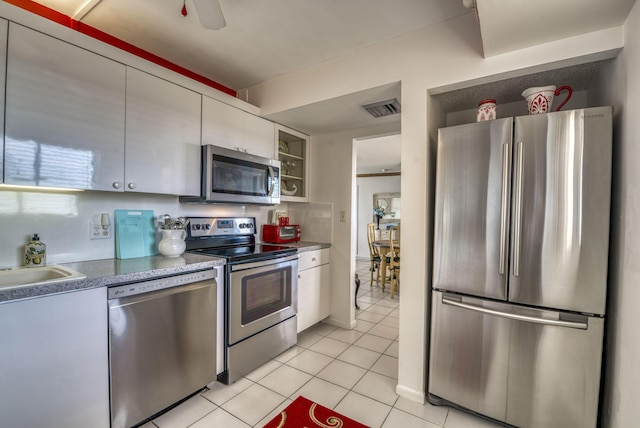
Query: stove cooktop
(232, 238)
(247, 252)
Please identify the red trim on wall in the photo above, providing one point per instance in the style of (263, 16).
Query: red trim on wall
(90, 31)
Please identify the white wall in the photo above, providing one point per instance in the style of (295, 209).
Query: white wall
(622, 356)
(367, 186)
(62, 220)
(333, 170)
(439, 58)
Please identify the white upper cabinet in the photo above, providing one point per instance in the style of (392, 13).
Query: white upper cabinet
(3, 58)
(230, 127)
(64, 114)
(162, 136)
(293, 152)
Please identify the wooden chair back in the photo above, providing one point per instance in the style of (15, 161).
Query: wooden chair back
(394, 240)
(371, 237)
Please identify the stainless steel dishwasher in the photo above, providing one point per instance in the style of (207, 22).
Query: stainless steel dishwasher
(162, 343)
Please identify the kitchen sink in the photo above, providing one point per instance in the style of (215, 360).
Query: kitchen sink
(26, 277)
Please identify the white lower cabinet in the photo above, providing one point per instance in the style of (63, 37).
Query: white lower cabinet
(314, 289)
(54, 368)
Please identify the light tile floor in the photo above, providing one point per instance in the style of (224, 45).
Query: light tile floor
(352, 371)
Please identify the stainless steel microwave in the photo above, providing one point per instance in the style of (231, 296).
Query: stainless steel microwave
(234, 177)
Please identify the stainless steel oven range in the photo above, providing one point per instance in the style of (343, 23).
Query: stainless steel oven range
(260, 291)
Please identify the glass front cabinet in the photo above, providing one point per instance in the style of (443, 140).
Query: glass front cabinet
(293, 151)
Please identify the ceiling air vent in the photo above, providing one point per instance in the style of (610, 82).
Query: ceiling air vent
(383, 108)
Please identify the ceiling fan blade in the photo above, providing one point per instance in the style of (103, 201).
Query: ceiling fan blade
(210, 14)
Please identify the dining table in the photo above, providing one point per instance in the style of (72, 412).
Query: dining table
(384, 246)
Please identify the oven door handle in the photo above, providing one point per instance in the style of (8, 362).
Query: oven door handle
(261, 263)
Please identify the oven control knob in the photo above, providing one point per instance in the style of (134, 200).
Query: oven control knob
(207, 226)
(242, 225)
(196, 226)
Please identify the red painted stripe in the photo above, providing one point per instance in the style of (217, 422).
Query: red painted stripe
(90, 31)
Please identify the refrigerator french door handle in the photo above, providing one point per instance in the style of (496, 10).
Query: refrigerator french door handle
(504, 209)
(518, 317)
(518, 214)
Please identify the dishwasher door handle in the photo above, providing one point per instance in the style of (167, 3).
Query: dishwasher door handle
(153, 295)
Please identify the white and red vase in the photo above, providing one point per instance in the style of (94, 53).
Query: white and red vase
(539, 99)
(486, 110)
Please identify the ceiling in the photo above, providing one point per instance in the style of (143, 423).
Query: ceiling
(264, 39)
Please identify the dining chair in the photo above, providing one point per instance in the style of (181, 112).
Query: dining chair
(374, 255)
(393, 259)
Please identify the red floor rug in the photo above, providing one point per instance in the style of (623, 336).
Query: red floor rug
(304, 413)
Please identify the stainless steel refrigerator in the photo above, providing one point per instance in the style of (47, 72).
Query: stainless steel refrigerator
(521, 246)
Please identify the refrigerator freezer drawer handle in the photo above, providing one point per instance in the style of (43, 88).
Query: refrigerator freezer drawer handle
(557, 323)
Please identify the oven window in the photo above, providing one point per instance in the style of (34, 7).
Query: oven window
(239, 177)
(265, 293)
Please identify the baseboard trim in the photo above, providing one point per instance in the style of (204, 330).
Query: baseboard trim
(339, 323)
(410, 394)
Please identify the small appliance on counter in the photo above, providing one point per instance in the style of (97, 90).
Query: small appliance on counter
(281, 234)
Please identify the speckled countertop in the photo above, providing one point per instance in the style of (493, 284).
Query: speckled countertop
(102, 273)
(303, 246)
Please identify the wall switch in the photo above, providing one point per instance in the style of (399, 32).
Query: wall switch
(343, 216)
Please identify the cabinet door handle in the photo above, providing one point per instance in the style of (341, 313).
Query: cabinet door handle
(298, 276)
(313, 259)
(132, 186)
(116, 185)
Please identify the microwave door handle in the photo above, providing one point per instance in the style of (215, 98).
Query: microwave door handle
(271, 185)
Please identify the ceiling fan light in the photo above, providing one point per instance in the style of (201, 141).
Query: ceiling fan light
(210, 14)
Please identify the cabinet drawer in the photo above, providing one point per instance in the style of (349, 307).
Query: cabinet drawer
(309, 259)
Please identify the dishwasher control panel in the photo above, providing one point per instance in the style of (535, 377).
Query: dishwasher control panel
(151, 285)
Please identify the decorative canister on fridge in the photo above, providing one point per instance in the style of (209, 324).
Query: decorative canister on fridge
(539, 99)
(486, 110)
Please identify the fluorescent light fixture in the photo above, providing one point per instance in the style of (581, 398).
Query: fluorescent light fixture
(38, 188)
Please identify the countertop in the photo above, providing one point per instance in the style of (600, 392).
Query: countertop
(303, 246)
(102, 273)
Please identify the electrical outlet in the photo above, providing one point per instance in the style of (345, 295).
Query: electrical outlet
(96, 231)
(343, 216)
